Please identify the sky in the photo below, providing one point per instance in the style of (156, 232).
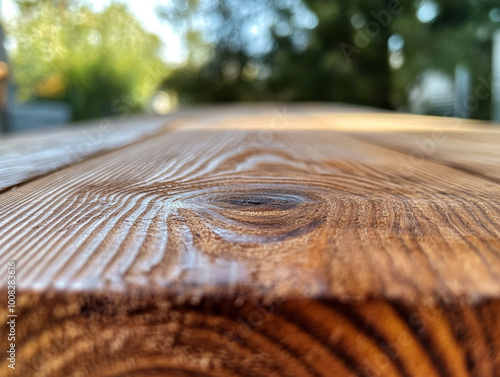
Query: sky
(173, 51)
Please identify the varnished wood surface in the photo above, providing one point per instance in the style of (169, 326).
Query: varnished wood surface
(474, 153)
(374, 238)
(25, 156)
(29, 155)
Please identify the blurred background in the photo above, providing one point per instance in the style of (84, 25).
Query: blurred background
(70, 60)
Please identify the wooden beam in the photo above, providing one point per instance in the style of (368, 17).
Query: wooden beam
(28, 156)
(282, 243)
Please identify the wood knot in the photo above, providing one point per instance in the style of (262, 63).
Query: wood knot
(260, 201)
(253, 215)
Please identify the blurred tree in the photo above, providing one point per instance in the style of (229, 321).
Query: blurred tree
(441, 34)
(345, 59)
(369, 52)
(285, 50)
(100, 62)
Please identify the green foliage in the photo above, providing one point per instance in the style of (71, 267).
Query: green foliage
(97, 61)
(461, 34)
(304, 61)
(254, 50)
(344, 57)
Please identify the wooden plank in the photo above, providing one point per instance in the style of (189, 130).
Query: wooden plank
(273, 244)
(30, 155)
(26, 156)
(477, 154)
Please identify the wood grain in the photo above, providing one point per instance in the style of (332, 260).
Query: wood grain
(476, 154)
(30, 155)
(131, 334)
(284, 243)
(26, 156)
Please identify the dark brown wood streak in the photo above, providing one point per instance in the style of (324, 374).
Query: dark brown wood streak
(239, 242)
